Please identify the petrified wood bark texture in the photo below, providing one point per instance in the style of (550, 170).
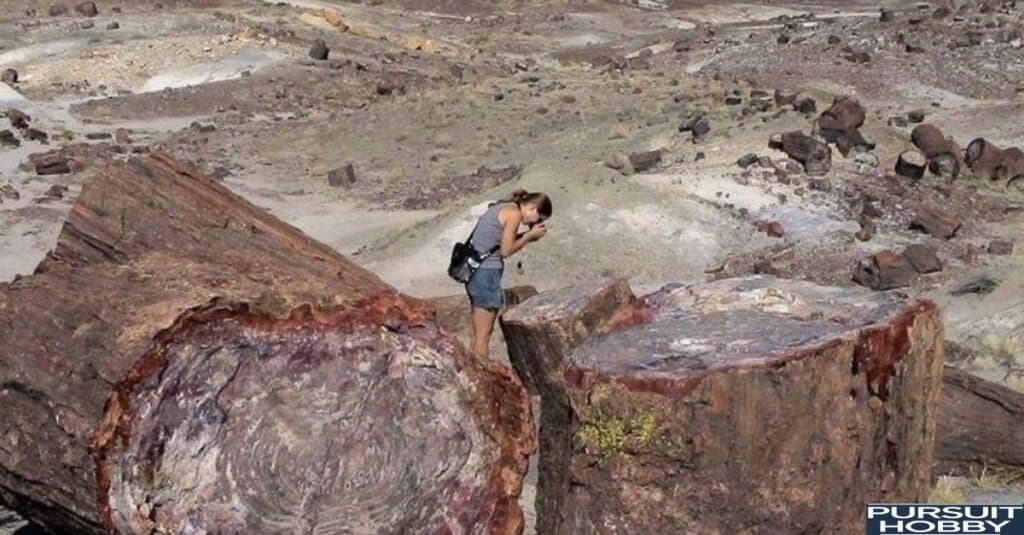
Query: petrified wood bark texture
(183, 361)
(981, 424)
(738, 406)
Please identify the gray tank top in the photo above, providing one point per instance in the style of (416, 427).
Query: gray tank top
(488, 235)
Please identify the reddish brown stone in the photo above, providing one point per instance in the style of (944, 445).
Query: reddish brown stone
(923, 258)
(659, 424)
(219, 371)
(884, 271)
(936, 221)
(342, 176)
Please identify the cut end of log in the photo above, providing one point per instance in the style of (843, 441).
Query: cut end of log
(842, 383)
(312, 422)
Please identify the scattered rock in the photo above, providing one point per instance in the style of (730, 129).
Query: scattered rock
(55, 193)
(390, 83)
(733, 100)
(784, 97)
(814, 155)
(1000, 247)
(7, 139)
(342, 176)
(9, 76)
(845, 113)
(123, 136)
(87, 9)
(911, 164)
(805, 105)
(774, 229)
(898, 121)
(945, 165)
(87, 24)
(58, 10)
(113, 26)
(697, 125)
(34, 134)
(935, 221)
(931, 142)
(50, 163)
(643, 161)
(884, 271)
(747, 160)
(98, 135)
(834, 39)
(18, 118)
(319, 50)
(867, 228)
(923, 258)
(916, 116)
(886, 15)
(858, 57)
(699, 156)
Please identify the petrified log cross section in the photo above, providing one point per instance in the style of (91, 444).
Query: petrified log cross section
(183, 361)
(741, 404)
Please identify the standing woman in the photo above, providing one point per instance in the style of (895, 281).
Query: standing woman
(498, 229)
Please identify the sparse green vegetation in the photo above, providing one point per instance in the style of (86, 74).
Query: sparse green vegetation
(612, 434)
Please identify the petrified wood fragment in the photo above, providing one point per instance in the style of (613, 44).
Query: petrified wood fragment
(743, 405)
(184, 362)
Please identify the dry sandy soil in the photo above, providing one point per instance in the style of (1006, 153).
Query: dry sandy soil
(442, 105)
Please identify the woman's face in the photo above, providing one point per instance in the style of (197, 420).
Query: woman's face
(530, 214)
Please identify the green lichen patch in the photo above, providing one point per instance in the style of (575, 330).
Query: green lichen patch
(608, 435)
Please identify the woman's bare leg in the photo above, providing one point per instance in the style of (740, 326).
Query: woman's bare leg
(483, 326)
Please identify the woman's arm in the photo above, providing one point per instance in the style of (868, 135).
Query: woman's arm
(510, 242)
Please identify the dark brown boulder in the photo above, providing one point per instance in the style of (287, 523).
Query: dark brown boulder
(18, 118)
(884, 271)
(814, 155)
(923, 258)
(185, 362)
(9, 76)
(7, 139)
(934, 220)
(979, 425)
(656, 412)
(54, 162)
(342, 176)
(911, 164)
(319, 50)
(945, 165)
(983, 158)
(931, 142)
(1000, 247)
(845, 113)
(87, 9)
(645, 161)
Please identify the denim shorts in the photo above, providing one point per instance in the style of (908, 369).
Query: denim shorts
(484, 289)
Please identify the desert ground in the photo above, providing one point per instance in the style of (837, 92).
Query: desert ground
(426, 110)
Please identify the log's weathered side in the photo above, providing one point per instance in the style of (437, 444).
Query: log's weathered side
(981, 425)
(184, 361)
(739, 405)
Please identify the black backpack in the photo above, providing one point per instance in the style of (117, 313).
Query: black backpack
(466, 259)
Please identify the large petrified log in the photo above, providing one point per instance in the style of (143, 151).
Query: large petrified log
(981, 425)
(184, 362)
(742, 405)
